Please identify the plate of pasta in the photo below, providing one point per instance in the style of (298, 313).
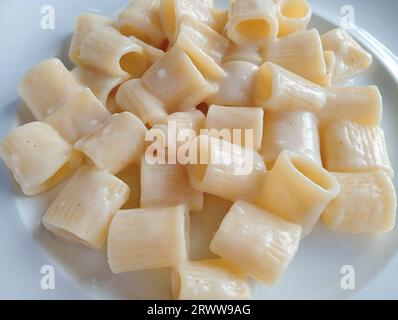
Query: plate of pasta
(186, 149)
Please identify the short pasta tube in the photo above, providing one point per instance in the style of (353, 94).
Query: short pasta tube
(151, 238)
(171, 84)
(236, 90)
(38, 157)
(83, 210)
(80, 116)
(239, 122)
(301, 53)
(363, 105)
(215, 279)
(298, 190)
(116, 144)
(164, 185)
(111, 52)
(204, 46)
(252, 22)
(292, 131)
(293, 16)
(351, 58)
(141, 19)
(46, 87)
(278, 89)
(259, 243)
(85, 24)
(367, 203)
(224, 169)
(352, 147)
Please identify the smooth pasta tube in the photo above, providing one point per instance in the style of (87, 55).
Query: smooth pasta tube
(362, 105)
(38, 157)
(236, 90)
(293, 16)
(85, 24)
(352, 147)
(249, 53)
(278, 89)
(172, 13)
(142, 239)
(225, 170)
(252, 22)
(111, 52)
(116, 144)
(367, 203)
(298, 190)
(259, 243)
(204, 46)
(164, 185)
(141, 19)
(236, 120)
(172, 84)
(351, 58)
(330, 63)
(83, 210)
(46, 88)
(80, 116)
(293, 131)
(301, 53)
(215, 279)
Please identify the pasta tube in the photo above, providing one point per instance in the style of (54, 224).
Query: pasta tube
(142, 239)
(38, 157)
(298, 190)
(367, 203)
(116, 144)
(46, 88)
(293, 16)
(252, 22)
(83, 210)
(278, 89)
(352, 147)
(261, 244)
(214, 279)
(293, 131)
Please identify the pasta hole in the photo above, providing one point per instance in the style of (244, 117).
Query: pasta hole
(111, 103)
(295, 9)
(134, 63)
(254, 29)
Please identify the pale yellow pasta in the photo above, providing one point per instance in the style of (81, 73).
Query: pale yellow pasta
(248, 52)
(80, 116)
(152, 53)
(172, 84)
(293, 131)
(225, 170)
(237, 88)
(351, 147)
(330, 63)
(83, 210)
(278, 89)
(205, 47)
(236, 120)
(46, 87)
(132, 177)
(142, 239)
(173, 11)
(38, 157)
(252, 22)
(85, 24)
(258, 242)
(351, 58)
(142, 20)
(301, 53)
(298, 190)
(362, 105)
(215, 279)
(164, 185)
(293, 16)
(367, 203)
(111, 52)
(117, 143)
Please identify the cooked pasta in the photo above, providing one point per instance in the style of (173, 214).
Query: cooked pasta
(293, 16)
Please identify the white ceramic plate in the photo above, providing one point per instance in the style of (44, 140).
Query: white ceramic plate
(81, 273)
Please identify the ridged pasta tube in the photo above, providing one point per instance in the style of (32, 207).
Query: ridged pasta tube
(293, 16)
